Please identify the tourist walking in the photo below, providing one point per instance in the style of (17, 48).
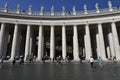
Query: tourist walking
(100, 61)
(43, 59)
(14, 61)
(91, 61)
(81, 59)
(115, 61)
(21, 61)
(0, 63)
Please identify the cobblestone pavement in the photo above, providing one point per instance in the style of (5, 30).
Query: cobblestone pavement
(51, 71)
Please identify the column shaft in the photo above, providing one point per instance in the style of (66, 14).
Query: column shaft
(98, 44)
(63, 42)
(5, 42)
(2, 35)
(75, 43)
(14, 43)
(102, 44)
(52, 43)
(116, 41)
(40, 44)
(27, 45)
(88, 42)
(112, 48)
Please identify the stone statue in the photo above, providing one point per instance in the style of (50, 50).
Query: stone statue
(74, 10)
(85, 7)
(96, 6)
(52, 9)
(63, 9)
(6, 6)
(110, 6)
(18, 6)
(42, 9)
(30, 8)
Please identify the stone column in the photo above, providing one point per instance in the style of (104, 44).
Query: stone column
(52, 42)
(101, 39)
(116, 40)
(108, 52)
(14, 43)
(2, 35)
(27, 44)
(75, 43)
(43, 45)
(85, 45)
(31, 44)
(39, 57)
(98, 44)
(112, 48)
(5, 42)
(88, 49)
(19, 39)
(63, 42)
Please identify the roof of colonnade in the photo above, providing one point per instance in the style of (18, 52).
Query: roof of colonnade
(59, 15)
(31, 17)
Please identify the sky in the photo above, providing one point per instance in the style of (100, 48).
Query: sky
(68, 4)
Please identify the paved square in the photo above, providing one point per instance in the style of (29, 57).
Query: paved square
(69, 71)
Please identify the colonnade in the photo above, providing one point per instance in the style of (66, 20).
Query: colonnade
(113, 50)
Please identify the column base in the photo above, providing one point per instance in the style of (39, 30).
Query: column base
(11, 59)
(76, 59)
(38, 60)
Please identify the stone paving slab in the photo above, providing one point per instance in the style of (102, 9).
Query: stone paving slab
(51, 71)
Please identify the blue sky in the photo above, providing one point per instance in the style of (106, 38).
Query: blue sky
(68, 4)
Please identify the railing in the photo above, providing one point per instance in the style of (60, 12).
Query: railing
(78, 13)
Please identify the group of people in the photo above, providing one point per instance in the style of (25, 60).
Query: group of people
(58, 60)
(1, 61)
(100, 61)
(31, 58)
(21, 61)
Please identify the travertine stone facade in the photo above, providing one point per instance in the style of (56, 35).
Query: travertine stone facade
(74, 34)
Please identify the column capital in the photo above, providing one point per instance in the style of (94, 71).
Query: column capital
(41, 23)
(63, 23)
(16, 24)
(52, 25)
(28, 24)
(87, 23)
(75, 25)
(113, 20)
(100, 23)
(3, 23)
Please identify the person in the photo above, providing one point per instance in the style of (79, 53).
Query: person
(91, 61)
(43, 59)
(100, 60)
(58, 60)
(1, 61)
(21, 61)
(53, 59)
(14, 61)
(114, 60)
(81, 58)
